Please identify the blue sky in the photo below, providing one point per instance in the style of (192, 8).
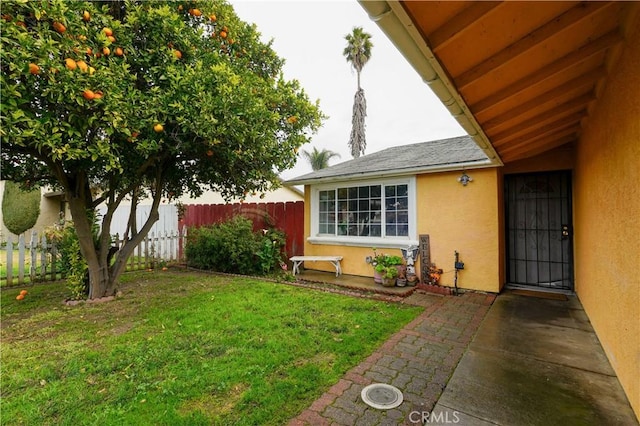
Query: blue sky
(309, 35)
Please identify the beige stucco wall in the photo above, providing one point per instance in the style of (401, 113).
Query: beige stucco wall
(607, 218)
(456, 217)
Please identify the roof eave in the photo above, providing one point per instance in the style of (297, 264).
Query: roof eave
(438, 168)
(393, 20)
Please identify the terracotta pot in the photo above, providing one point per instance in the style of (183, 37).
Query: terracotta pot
(377, 277)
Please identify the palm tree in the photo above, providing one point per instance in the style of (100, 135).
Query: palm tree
(319, 159)
(358, 53)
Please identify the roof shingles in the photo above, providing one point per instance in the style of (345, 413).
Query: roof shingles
(405, 159)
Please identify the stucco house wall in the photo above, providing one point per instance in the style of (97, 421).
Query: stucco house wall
(465, 219)
(607, 236)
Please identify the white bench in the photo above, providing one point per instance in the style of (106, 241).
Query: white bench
(334, 260)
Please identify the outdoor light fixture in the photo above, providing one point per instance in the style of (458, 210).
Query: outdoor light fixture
(464, 179)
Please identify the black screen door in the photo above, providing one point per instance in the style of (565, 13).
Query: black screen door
(539, 230)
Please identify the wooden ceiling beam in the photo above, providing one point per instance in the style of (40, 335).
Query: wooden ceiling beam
(531, 151)
(560, 23)
(454, 27)
(585, 80)
(560, 110)
(572, 120)
(565, 130)
(538, 127)
(571, 59)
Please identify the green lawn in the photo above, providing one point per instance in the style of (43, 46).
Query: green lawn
(182, 348)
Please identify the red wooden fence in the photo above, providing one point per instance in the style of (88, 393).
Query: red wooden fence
(286, 216)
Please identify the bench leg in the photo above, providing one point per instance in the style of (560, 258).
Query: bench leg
(296, 267)
(336, 264)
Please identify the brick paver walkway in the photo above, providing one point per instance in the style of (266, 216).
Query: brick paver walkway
(418, 360)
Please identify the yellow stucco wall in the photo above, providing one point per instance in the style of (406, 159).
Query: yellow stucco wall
(466, 219)
(607, 218)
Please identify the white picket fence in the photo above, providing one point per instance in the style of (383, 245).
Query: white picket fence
(35, 259)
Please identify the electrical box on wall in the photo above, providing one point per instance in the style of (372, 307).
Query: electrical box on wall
(459, 265)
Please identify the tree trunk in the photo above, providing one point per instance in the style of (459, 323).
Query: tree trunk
(98, 270)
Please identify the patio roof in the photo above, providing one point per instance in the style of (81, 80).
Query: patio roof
(520, 77)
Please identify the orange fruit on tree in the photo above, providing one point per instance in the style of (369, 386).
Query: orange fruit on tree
(180, 7)
(195, 12)
(34, 69)
(213, 17)
(119, 51)
(107, 31)
(86, 16)
(70, 64)
(82, 65)
(97, 95)
(89, 51)
(177, 54)
(82, 37)
(20, 297)
(112, 39)
(223, 34)
(209, 153)
(88, 95)
(158, 128)
(106, 51)
(59, 27)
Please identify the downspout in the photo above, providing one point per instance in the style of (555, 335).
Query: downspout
(392, 19)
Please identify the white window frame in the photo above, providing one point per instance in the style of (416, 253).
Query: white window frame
(357, 241)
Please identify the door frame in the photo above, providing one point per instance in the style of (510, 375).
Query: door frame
(567, 174)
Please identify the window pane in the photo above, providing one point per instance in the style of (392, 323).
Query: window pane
(342, 193)
(363, 192)
(363, 205)
(402, 190)
(375, 191)
(353, 192)
(389, 190)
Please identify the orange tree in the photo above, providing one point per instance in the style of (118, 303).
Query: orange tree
(122, 99)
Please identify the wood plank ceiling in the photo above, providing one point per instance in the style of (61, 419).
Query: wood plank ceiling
(530, 72)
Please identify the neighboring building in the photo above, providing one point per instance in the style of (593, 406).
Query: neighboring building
(550, 91)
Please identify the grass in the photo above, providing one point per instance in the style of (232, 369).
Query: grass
(182, 348)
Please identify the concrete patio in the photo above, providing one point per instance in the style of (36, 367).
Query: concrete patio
(482, 359)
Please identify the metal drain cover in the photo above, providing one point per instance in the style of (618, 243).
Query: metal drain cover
(381, 396)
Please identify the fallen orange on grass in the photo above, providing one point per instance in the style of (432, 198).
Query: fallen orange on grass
(20, 297)
(24, 292)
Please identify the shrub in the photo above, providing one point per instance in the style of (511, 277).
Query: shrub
(233, 247)
(20, 209)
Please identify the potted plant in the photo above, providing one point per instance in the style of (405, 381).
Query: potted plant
(389, 276)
